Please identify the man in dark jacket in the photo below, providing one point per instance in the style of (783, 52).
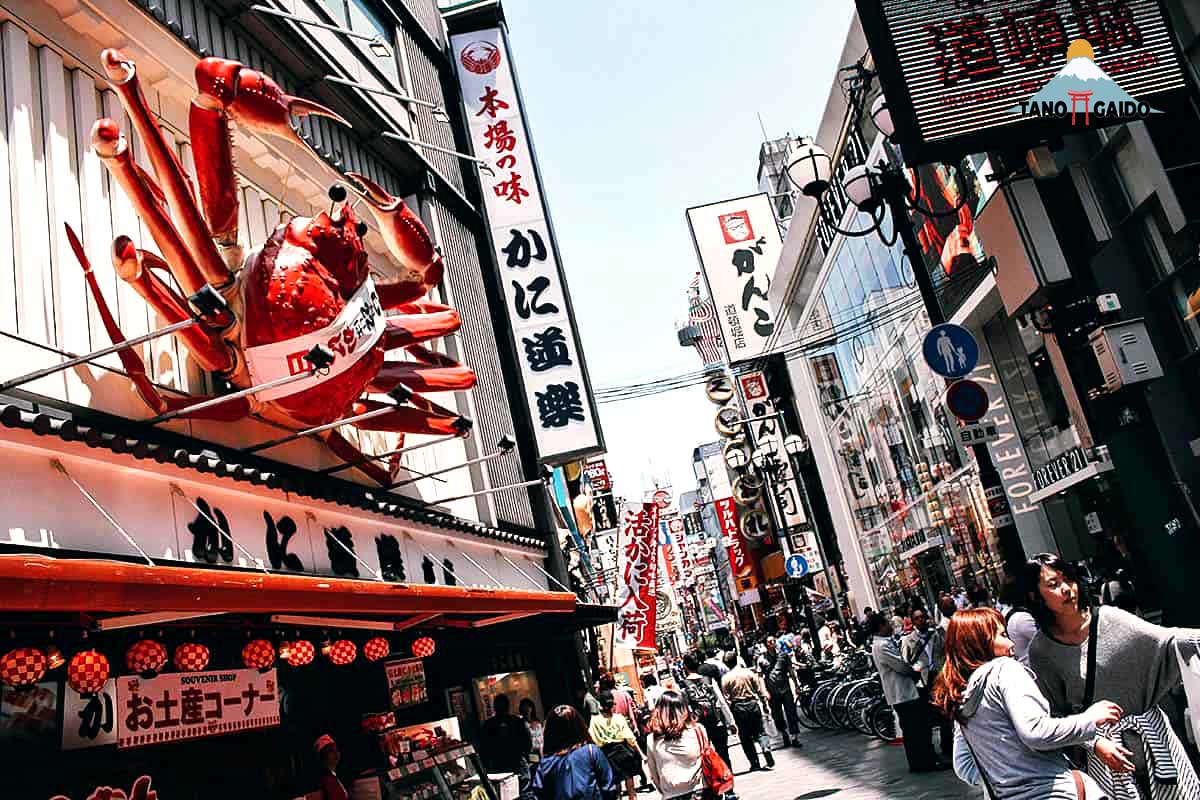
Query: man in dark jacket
(505, 744)
(779, 676)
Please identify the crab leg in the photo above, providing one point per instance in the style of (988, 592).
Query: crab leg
(408, 241)
(113, 149)
(134, 265)
(420, 416)
(422, 378)
(175, 185)
(133, 363)
(419, 322)
(346, 451)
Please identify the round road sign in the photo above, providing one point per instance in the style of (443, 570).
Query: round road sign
(967, 400)
(950, 350)
(796, 566)
(662, 498)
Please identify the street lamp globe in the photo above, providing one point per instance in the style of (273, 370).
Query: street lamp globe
(759, 459)
(881, 115)
(809, 167)
(795, 445)
(860, 184)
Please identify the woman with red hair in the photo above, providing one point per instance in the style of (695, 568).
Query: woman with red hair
(1005, 737)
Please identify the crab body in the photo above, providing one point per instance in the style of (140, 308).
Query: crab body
(294, 287)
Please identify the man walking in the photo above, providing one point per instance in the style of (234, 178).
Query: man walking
(708, 705)
(747, 696)
(779, 676)
(925, 649)
(900, 688)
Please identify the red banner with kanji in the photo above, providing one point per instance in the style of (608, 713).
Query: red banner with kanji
(740, 561)
(637, 577)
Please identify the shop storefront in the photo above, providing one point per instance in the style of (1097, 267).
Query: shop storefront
(203, 623)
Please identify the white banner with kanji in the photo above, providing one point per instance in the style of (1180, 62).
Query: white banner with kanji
(191, 705)
(637, 577)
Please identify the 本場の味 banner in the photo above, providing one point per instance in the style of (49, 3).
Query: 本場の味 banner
(956, 74)
(637, 576)
(191, 705)
(543, 328)
(738, 244)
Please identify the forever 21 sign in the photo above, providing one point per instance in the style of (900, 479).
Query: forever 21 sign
(1066, 465)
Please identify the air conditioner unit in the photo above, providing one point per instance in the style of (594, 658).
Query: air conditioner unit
(1125, 354)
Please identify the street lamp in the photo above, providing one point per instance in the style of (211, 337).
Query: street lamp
(794, 445)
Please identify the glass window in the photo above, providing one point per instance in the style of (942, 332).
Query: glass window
(361, 16)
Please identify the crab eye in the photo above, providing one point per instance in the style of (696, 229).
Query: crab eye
(361, 229)
(337, 193)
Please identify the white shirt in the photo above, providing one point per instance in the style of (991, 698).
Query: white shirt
(829, 643)
(899, 678)
(675, 764)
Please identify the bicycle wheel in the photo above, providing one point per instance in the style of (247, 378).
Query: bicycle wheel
(804, 711)
(839, 708)
(821, 705)
(883, 721)
(859, 709)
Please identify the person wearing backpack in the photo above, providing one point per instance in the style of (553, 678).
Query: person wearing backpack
(708, 705)
(778, 674)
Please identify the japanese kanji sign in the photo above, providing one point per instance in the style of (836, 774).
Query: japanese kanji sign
(637, 576)
(738, 244)
(768, 434)
(191, 705)
(543, 327)
(406, 682)
(741, 562)
(955, 73)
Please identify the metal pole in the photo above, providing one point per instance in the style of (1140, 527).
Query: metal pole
(225, 398)
(467, 463)
(895, 190)
(378, 412)
(76, 360)
(312, 23)
(388, 454)
(484, 165)
(484, 491)
(437, 110)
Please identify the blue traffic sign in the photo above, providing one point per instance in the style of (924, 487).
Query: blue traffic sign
(950, 350)
(796, 566)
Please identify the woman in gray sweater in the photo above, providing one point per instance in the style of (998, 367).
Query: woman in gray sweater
(1135, 665)
(1005, 737)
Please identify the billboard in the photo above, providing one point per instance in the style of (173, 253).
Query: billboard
(738, 244)
(966, 77)
(557, 388)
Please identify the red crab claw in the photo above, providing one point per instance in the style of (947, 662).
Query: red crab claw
(254, 99)
(407, 239)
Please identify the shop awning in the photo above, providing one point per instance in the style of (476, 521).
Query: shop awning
(102, 587)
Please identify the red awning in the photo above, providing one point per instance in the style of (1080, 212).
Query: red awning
(37, 583)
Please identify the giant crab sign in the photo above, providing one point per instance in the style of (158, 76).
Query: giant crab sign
(308, 284)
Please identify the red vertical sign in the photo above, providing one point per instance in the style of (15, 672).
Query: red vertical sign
(740, 561)
(637, 577)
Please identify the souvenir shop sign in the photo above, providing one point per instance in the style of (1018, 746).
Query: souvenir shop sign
(543, 331)
(961, 77)
(406, 682)
(192, 705)
(637, 577)
(738, 244)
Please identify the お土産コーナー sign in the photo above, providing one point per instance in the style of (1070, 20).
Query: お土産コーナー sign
(192, 705)
(956, 74)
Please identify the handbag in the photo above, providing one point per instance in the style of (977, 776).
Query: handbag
(718, 778)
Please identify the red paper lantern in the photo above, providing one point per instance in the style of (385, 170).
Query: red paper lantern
(24, 666)
(191, 657)
(423, 647)
(376, 648)
(145, 656)
(343, 652)
(87, 671)
(258, 654)
(298, 654)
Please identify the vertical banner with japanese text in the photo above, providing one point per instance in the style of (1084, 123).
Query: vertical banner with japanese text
(191, 705)
(738, 244)
(557, 387)
(637, 576)
(768, 434)
(741, 562)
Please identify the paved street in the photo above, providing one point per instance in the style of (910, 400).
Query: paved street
(843, 766)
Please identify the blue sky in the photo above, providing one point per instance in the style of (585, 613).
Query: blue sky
(639, 110)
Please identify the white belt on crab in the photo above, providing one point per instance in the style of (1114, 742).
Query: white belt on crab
(349, 337)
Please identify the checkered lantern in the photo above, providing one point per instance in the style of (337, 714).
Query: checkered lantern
(146, 656)
(258, 654)
(343, 652)
(191, 657)
(376, 648)
(87, 671)
(24, 666)
(423, 647)
(298, 653)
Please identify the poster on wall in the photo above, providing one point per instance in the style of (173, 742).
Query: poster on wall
(543, 331)
(192, 705)
(406, 682)
(637, 577)
(28, 714)
(738, 244)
